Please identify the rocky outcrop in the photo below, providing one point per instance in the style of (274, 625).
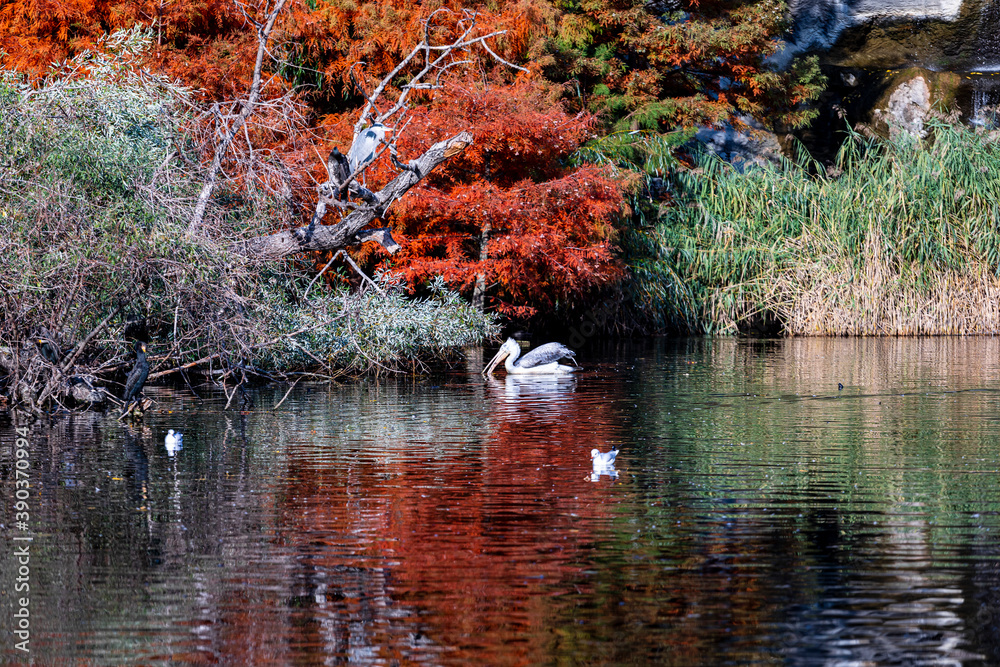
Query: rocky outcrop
(742, 148)
(937, 34)
(910, 97)
(818, 24)
(907, 107)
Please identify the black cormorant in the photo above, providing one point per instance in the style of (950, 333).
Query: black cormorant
(137, 376)
(49, 350)
(135, 328)
(339, 169)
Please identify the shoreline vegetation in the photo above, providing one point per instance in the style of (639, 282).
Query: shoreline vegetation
(97, 184)
(898, 238)
(103, 163)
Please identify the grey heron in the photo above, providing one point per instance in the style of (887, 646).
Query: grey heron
(365, 146)
(543, 360)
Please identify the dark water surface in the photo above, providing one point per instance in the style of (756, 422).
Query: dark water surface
(760, 516)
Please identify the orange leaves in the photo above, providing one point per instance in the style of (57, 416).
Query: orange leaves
(508, 211)
(699, 63)
(360, 42)
(526, 208)
(35, 33)
(205, 43)
(518, 129)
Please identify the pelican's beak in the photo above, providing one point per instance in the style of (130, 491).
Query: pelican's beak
(495, 361)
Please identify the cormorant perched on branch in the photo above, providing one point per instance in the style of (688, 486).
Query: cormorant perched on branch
(339, 169)
(135, 327)
(137, 376)
(49, 350)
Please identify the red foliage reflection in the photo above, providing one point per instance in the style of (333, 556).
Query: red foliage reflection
(458, 552)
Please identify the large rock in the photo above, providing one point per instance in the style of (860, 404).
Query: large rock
(907, 107)
(909, 97)
(742, 148)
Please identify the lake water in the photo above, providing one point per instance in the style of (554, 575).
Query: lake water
(760, 515)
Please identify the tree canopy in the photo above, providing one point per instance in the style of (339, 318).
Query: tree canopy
(514, 220)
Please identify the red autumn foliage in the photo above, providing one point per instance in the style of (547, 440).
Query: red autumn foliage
(691, 62)
(206, 44)
(549, 227)
(209, 44)
(379, 34)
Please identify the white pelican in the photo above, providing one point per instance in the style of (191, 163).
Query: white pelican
(543, 360)
(173, 442)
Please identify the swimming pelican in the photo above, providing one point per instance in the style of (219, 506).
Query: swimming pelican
(543, 360)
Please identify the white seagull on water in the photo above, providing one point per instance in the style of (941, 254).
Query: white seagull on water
(604, 464)
(173, 442)
(603, 460)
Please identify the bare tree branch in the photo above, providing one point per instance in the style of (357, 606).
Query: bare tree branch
(334, 237)
(367, 206)
(247, 108)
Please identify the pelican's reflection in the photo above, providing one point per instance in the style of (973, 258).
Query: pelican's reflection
(537, 397)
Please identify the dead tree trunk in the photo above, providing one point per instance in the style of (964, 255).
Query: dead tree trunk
(479, 290)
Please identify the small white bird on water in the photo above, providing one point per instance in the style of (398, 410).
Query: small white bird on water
(603, 460)
(543, 360)
(604, 464)
(173, 442)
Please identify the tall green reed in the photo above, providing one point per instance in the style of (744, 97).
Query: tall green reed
(882, 229)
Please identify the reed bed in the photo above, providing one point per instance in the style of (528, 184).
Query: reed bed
(897, 238)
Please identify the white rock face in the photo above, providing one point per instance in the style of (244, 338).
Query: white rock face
(908, 107)
(946, 10)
